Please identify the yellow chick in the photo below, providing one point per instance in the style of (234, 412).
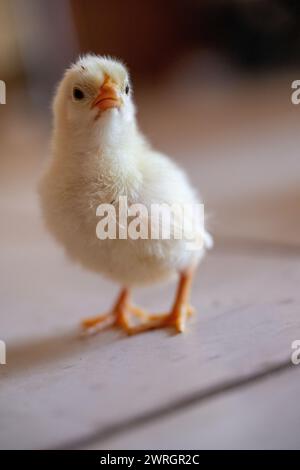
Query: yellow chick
(98, 156)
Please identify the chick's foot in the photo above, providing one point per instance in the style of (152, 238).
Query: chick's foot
(119, 316)
(180, 312)
(177, 319)
(98, 320)
(116, 317)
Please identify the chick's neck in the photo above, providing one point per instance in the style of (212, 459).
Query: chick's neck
(108, 150)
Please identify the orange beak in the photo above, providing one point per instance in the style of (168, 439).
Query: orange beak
(108, 96)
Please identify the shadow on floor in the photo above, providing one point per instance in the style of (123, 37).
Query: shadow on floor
(40, 352)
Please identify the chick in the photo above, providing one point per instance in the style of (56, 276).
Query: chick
(98, 155)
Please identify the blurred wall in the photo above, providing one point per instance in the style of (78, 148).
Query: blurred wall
(10, 64)
(146, 34)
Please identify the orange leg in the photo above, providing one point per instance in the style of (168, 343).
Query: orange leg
(179, 313)
(181, 309)
(117, 316)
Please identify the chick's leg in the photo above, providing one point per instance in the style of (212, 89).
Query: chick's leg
(181, 309)
(116, 316)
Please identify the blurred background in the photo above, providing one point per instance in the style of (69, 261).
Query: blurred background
(212, 82)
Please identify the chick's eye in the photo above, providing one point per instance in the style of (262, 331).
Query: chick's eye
(78, 94)
(127, 89)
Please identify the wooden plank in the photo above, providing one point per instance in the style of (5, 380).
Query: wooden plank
(264, 415)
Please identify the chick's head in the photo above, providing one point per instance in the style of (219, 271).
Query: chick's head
(93, 90)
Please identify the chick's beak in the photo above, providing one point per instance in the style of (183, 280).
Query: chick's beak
(108, 96)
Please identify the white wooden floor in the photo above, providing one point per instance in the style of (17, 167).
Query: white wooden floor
(229, 381)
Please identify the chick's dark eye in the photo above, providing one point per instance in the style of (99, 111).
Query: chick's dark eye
(127, 89)
(78, 94)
